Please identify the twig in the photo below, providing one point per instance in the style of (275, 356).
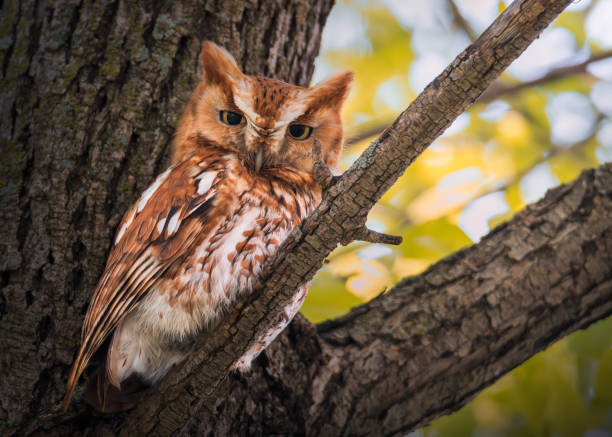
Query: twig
(371, 236)
(461, 22)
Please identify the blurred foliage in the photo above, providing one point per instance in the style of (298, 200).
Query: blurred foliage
(495, 159)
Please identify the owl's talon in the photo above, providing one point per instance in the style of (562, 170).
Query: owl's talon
(371, 236)
(321, 171)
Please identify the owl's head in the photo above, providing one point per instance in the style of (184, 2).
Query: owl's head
(270, 123)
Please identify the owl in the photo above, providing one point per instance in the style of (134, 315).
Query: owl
(240, 179)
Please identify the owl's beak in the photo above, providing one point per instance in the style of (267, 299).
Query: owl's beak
(259, 159)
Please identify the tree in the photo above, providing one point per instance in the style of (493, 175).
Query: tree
(90, 95)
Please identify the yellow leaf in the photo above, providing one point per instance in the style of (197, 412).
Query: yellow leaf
(513, 130)
(403, 267)
(365, 279)
(327, 298)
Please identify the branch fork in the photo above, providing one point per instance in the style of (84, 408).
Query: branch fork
(325, 178)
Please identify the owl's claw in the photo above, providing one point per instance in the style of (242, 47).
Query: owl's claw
(322, 174)
(371, 236)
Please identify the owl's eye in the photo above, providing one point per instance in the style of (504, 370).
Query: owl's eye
(231, 118)
(300, 131)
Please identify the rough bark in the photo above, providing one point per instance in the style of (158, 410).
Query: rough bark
(90, 93)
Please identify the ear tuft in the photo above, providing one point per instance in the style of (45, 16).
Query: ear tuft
(334, 90)
(218, 65)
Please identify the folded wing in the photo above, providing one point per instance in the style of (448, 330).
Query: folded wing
(156, 234)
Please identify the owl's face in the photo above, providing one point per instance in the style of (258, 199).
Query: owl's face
(270, 123)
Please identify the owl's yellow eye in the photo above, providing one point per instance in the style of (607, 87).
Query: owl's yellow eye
(231, 118)
(300, 131)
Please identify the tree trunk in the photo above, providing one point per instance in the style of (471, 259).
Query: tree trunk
(91, 93)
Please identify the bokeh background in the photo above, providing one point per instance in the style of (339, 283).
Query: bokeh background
(548, 118)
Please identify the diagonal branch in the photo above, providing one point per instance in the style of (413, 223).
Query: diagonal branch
(343, 210)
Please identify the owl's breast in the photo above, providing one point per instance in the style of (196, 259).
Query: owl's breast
(254, 216)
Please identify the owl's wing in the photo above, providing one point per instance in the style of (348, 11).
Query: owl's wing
(154, 236)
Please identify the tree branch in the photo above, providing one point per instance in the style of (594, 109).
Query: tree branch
(441, 337)
(498, 89)
(343, 210)
(460, 21)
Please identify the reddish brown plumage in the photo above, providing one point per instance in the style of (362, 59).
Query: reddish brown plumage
(198, 236)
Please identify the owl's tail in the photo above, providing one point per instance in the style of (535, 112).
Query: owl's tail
(102, 393)
(106, 398)
(78, 367)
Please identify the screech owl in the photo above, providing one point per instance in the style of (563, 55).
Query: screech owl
(240, 180)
